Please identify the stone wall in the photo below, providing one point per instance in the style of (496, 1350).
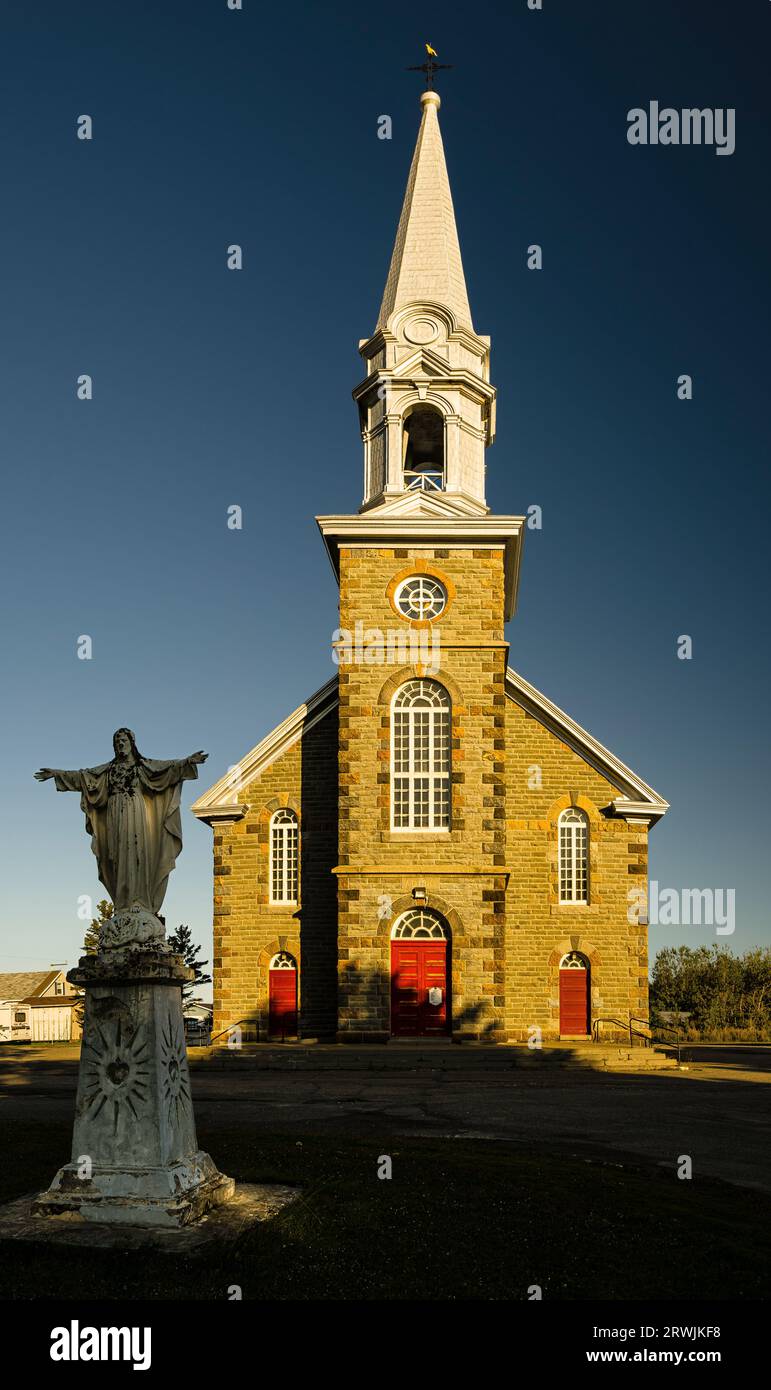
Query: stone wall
(545, 777)
(248, 928)
(461, 869)
(493, 875)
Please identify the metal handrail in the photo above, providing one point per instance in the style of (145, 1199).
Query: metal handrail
(668, 1028)
(622, 1023)
(250, 1023)
(229, 1029)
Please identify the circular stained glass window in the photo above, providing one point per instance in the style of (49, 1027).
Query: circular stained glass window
(421, 597)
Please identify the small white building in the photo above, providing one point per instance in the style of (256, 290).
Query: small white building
(37, 1006)
(198, 1021)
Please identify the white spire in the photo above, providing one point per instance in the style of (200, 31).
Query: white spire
(426, 263)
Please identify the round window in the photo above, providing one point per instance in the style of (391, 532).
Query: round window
(421, 596)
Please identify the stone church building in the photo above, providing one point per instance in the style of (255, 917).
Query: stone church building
(427, 847)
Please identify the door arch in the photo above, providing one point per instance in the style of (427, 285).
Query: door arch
(282, 996)
(575, 995)
(420, 975)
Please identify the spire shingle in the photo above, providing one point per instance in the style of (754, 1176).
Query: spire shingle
(426, 262)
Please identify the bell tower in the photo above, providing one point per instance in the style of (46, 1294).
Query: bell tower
(426, 406)
(427, 578)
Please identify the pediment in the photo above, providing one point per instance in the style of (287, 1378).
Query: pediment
(422, 362)
(429, 504)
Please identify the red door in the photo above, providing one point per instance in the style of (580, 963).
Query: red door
(282, 1001)
(416, 968)
(574, 1001)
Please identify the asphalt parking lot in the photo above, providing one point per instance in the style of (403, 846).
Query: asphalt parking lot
(718, 1111)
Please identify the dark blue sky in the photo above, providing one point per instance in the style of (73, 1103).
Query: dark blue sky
(213, 387)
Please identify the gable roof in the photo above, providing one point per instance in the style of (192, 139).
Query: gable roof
(26, 984)
(225, 800)
(638, 799)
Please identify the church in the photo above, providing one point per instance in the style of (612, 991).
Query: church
(427, 847)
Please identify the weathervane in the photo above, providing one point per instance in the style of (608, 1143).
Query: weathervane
(430, 67)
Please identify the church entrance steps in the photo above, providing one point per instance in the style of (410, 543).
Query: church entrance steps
(421, 1056)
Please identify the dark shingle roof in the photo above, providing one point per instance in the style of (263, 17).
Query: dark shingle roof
(25, 983)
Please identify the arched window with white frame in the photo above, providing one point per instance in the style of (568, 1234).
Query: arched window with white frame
(284, 856)
(420, 757)
(574, 856)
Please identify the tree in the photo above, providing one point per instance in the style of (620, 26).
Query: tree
(91, 944)
(722, 992)
(181, 941)
(91, 938)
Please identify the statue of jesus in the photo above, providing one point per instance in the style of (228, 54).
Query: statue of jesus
(131, 805)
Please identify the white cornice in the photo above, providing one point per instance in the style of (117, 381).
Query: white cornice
(640, 801)
(436, 371)
(377, 529)
(218, 804)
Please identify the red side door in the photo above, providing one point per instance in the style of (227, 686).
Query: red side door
(574, 1001)
(416, 968)
(282, 1001)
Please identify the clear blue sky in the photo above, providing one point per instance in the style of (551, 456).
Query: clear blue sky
(213, 387)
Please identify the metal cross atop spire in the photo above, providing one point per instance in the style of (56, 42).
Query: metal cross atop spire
(430, 66)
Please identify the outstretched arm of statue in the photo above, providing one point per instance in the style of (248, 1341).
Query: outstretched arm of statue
(187, 766)
(65, 781)
(157, 775)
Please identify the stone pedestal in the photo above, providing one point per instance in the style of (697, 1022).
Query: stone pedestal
(135, 1157)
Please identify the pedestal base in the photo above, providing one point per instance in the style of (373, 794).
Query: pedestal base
(223, 1225)
(175, 1195)
(135, 1156)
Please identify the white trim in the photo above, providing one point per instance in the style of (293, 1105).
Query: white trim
(284, 857)
(372, 528)
(436, 917)
(423, 581)
(441, 706)
(217, 803)
(643, 799)
(573, 857)
(283, 964)
(584, 966)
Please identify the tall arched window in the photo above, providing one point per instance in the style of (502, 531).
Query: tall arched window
(420, 757)
(574, 856)
(284, 856)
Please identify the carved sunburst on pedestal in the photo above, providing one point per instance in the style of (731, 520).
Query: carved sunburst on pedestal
(116, 1069)
(176, 1079)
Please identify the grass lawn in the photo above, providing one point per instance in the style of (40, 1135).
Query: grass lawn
(459, 1219)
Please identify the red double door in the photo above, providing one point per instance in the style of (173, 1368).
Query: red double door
(417, 969)
(282, 1003)
(574, 1001)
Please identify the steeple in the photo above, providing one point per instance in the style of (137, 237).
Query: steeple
(426, 406)
(426, 261)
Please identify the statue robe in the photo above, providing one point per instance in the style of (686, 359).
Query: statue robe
(135, 836)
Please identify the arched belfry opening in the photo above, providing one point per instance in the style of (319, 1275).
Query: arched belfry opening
(423, 450)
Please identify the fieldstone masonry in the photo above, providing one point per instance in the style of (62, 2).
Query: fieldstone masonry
(427, 415)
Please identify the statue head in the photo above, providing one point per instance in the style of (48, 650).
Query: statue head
(125, 746)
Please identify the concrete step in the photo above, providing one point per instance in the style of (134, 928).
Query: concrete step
(431, 1057)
